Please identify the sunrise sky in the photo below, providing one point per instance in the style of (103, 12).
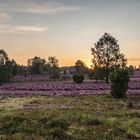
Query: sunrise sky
(67, 29)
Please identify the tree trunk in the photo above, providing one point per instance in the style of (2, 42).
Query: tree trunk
(107, 81)
(107, 78)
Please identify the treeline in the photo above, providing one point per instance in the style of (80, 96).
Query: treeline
(36, 65)
(106, 57)
(8, 68)
(108, 64)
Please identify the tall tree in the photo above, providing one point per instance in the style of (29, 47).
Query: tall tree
(106, 53)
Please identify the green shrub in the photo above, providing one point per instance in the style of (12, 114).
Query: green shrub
(78, 78)
(61, 123)
(53, 73)
(58, 128)
(119, 83)
(93, 122)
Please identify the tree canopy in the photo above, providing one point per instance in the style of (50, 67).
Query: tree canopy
(6, 68)
(52, 61)
(106, 53)
(80, 67)
(53, 68)
(3, 57)
(36, 65)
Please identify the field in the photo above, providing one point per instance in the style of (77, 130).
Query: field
(36, 109)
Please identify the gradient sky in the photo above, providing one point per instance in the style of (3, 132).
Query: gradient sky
(67, 29)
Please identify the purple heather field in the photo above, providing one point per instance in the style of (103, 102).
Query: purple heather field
(40, 85)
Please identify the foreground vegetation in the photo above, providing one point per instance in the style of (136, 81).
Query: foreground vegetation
(69, 118)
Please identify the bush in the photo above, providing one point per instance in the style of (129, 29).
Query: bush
(58, 128)
(78, 78)
(119, 83)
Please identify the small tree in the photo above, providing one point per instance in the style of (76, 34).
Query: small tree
(53, 68)
(80, 70)
(12, 67)
(106, 53)
(80, 67)
(3, 57)
(36, 65)
(119, 83)
(5, 71)
(52, 61)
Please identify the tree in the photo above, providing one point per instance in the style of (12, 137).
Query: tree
(5, 73)
(3, 57)
(80, 67)
(52, 61)
(53, 68)
(106, 54)
(36, 65)
(12, 67)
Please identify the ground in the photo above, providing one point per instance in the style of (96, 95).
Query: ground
(35, 108)
(69, 118)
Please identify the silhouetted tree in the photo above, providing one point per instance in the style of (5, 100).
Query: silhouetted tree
(131, 69)
(80, 67)
(52, 61)
(106, 53)
(3, 57)
(5, 72)
(12, 67)
(36, 65)
(53, 68)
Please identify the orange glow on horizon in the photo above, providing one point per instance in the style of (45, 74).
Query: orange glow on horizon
(71, 62)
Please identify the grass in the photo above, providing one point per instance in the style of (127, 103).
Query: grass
(87, 118)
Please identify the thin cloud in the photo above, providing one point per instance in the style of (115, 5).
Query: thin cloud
(21, 29)
(51, 10)
(36, 7)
